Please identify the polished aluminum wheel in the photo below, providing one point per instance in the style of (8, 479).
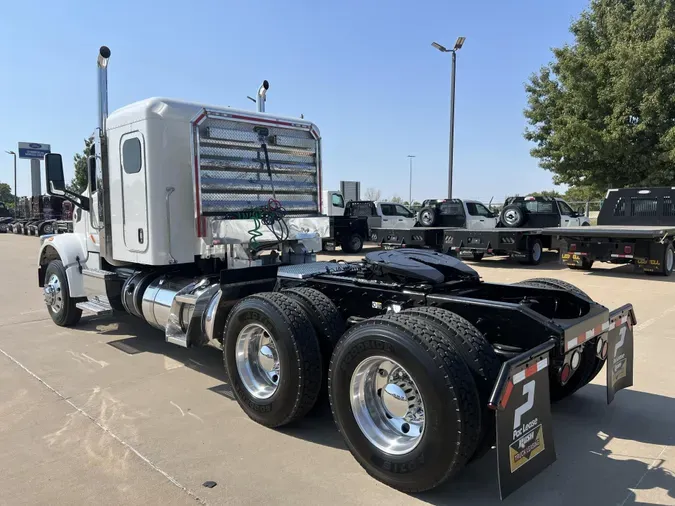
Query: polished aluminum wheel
(669, 260)
(387, 405)
(53, 294)
(257, 361)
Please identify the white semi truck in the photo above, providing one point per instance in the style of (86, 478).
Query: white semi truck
(204, 220)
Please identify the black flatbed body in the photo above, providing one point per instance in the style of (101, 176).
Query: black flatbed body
(635, 226)
(651, 231)
(416, 237)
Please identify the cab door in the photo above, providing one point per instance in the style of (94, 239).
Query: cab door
(479, 217)
(134, 191)
(568, 218)
(388, 213)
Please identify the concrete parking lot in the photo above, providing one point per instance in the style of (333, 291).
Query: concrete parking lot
(108, 413)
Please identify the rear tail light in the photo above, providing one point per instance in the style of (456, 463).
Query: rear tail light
(565, 373)
(628, 250)
(573, 247)
(575, 359)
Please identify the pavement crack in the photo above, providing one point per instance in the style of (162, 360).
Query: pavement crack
(105, 429)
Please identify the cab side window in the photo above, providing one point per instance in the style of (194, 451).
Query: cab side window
(402, 211)
(388, 209)
(131, 155)
(475, 209)
(337, 200)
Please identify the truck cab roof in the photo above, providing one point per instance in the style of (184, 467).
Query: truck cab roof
(169, 109)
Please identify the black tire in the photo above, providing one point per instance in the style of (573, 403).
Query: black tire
(479, 356)
(668, 261)
(299, 358)
(452, 419)
(590, 364)
(586, 265)
(46, 228)
(535, 253)
(326, 320)
(554, 283)
(427, 216)
(477, 257)
(352, 244)
(512, 216)
(68, 315)
(585, 224)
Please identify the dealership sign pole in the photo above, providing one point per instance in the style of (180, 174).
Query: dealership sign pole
(34, 151)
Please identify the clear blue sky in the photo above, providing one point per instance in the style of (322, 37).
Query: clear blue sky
(363, 71)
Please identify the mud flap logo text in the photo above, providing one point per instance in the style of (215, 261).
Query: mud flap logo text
(619, 362)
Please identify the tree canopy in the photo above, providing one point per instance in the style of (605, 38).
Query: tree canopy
(602, 114)
(80, 178)
(6, 195)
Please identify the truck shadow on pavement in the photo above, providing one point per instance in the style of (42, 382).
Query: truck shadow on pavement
(606, 454)
(628, 271)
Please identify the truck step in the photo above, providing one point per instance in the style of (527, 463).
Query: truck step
(99, 273)
(97, 305)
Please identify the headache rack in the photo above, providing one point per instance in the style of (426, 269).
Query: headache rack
(233, 175)
(244, 163)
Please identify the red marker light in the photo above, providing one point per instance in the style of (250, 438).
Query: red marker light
(565, 373)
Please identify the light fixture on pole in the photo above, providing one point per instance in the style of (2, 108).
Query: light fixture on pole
(15, 192)
(458, 45)
(410, 157)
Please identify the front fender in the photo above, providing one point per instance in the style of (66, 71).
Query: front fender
(70, 250)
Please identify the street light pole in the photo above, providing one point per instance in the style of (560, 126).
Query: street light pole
(451, 143)
(16, 208)
(410, 157)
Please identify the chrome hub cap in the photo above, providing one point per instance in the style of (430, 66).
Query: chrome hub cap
(511, 217)
(52, 293)
(426, 217)
(387, 405)
(257, 361)
(47, 229)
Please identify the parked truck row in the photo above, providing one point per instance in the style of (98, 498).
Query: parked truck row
(635, 225)
(37, 215)
(203, 221)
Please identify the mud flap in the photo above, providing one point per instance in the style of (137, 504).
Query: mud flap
(620, 350)
(521, 397)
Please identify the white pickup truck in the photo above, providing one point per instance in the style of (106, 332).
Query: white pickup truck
(380, 213)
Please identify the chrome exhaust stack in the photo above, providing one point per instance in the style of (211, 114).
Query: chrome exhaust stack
(102, 63)
(261, 97)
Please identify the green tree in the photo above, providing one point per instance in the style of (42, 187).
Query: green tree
(546, 193)
(601, 114)
(396, 199)
(6, 195)
(583, 194)
(80, 178)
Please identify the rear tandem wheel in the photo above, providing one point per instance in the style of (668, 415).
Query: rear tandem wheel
(272, 358)
(404, 400)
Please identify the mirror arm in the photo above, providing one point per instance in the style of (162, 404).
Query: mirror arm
(79, 200)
